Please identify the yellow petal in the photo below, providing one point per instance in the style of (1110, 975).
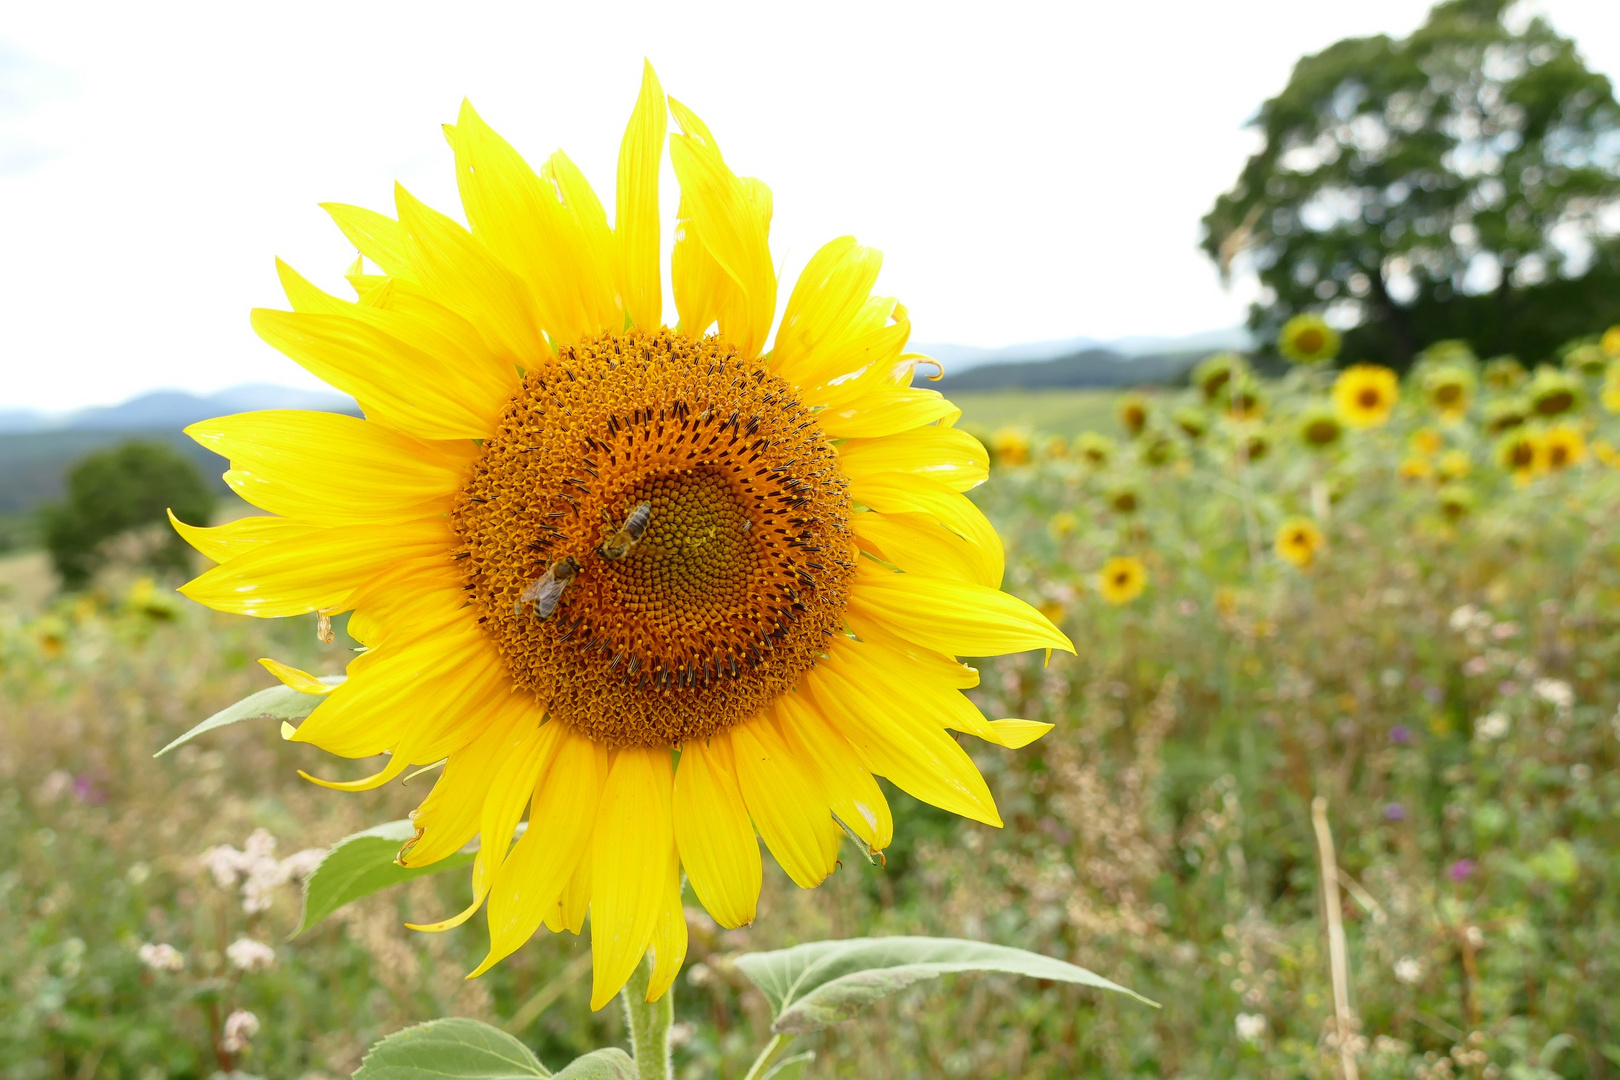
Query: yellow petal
(448, 818)
(466, 369)
(635, 228)
(918, 544)
(550, 229)
(317, 571)
(223, 542)
(730, 218)
(395, 383)
(424, 591)
(569, 912)
(712, 831)
(398, 688)
(630, 854)
(459, 271)
(945, 670)
(787, 802)
(301, 681)
(331, 469)
(851, 792)
(377, 237)
(561, 817)
(913, 753)
(952, 617)
(949, 455)
(894, 494)
(669, 939)
(825, 311)
(884, 412)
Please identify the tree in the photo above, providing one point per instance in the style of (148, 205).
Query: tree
(1453, 184)
(119, 491)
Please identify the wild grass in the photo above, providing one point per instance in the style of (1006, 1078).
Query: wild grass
(1448, 686)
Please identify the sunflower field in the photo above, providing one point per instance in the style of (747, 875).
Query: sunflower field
(1333, 625)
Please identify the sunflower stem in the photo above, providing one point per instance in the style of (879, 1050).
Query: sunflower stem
(757, 1069)
(649, 1025)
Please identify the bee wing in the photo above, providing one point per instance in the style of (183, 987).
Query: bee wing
(532, 591)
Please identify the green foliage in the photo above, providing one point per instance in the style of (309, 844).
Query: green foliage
(273, 703)
(362, 864)
(827, 982)
(452, 1049)
(1444, 185)
(116, 492)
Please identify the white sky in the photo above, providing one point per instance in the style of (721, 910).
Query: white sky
(1031, 171)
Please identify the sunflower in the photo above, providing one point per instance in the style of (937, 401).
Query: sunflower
(1215, 372)
(1010, 447)
(1587, 358)
(1610, 342)
(1504, 373)
(1610, 397)
(1504, 414)
(1319, 426)
(1132, 412)
(1298, 540)
(1122, 579)
(1454, 464)
(1094, 448)
(1054, 448)
(1415, 468)
(1519, 452)
(1192, 421)
(1456, 501)
(1449, 389)
(1553, 392)
(1365, 395)
(1562, 445)
(1308, 339)
(575, 540)
(1124, 497)
(1243, 398)
(1426, 442)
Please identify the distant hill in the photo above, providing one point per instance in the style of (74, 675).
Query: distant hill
(37, 449)
(1088, 367)
(961, 358)
(174, 409)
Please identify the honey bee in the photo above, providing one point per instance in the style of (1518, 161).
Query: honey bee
(619, 544)
(545, 591)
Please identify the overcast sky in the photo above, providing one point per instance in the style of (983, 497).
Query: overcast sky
(1030, 171)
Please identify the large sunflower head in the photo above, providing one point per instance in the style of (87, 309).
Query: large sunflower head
(1504, 373)
(1132, 411)
(1518, 452)
(576, 538)
(1365, 395)
(1214, 372)
(1308, 339)
(1505, 413)
(1585, 358)
(1094, 448)
(1610, 342)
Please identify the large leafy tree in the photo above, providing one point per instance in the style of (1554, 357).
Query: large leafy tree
(1463, 182)
(115, 492)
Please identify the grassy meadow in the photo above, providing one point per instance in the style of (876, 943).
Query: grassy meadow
(1435, 660)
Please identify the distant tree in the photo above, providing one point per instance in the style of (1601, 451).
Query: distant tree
(119, 491)
(1452, 184)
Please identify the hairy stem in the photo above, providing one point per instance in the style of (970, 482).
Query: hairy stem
(649, 1025)
(757, 1069)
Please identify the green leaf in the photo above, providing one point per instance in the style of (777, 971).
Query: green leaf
(609, 1064)
(450, 1049)
(791, 1068)
(276, 703)
(362, 864)
(814, 986)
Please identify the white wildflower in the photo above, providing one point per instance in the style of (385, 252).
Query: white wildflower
(240, 1027)
(1463, 617)
(1580, 772)
(1475, 936)
(1409, 969)
(1555, 692)
(300, 864)
(246, 954)
(1251, 1027)
(161, 957)
(1492, 726)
